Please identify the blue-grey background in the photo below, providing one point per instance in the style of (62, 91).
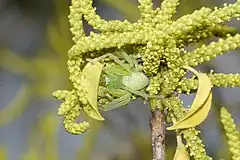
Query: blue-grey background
(34, 40)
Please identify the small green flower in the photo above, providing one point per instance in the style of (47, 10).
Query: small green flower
(231, 132)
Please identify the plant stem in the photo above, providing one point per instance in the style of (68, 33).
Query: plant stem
(158, 134)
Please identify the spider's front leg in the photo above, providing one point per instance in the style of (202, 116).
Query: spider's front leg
(143, 94)
(124, 97)
(129, 59)
(113, 57)
(133, 63)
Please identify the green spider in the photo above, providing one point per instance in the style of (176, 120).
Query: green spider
(122, 81)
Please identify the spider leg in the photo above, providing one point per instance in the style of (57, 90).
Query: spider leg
(129, 59)
(121, 101)
(115, 58)
(143, 94)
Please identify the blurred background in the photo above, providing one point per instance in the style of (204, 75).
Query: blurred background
(34, 40)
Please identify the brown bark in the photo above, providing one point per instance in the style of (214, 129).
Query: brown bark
(158, 135)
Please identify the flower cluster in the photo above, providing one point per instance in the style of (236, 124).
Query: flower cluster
(159, 44)
(231, 132)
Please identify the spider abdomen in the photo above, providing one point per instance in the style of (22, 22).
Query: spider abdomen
(136, 81)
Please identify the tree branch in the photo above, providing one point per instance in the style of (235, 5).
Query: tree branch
(157, 124)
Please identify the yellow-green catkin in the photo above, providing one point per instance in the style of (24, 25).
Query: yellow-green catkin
(217, 79)
(70, 121)
(70, 100)
(206, 53)
(231, 132)
(218, 30)
(159, 43)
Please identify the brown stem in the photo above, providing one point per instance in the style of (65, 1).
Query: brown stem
(158, 135)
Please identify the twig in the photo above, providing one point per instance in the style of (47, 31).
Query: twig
(158, 134)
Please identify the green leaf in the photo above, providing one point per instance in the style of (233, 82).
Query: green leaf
(181, 153)
(90, 77)
(200, 105)
(196, 118)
